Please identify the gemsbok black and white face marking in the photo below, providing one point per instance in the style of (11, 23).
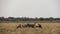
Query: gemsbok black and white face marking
(19, 26)
(37, 25)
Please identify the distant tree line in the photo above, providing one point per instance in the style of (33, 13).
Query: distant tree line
(12, 19)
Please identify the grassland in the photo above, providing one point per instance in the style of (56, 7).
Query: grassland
(47, 28)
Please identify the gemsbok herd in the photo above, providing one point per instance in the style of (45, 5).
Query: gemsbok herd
(35, 25)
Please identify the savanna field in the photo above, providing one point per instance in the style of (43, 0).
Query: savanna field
(47, 28)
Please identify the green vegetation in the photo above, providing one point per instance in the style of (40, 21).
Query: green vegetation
(12, 19)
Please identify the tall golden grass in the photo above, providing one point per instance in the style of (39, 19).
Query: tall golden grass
(47, 28)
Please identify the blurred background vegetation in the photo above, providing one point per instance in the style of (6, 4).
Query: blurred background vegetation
(18, 19)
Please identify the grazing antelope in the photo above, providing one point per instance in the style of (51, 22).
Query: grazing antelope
(29, 25)
(37, 25)
(19, 26)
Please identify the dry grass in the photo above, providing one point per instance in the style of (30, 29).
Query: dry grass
(48, 28)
